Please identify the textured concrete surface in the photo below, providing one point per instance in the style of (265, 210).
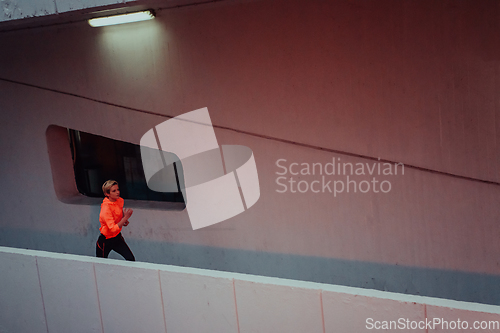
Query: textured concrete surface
(130, 298)
(195, 303)
(352, 313)
(271, 308)
(304, 81)
(20, 295)
(70, 295)
(19, 9)
(137, 297)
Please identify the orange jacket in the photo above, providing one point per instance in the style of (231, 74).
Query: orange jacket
(111, 214)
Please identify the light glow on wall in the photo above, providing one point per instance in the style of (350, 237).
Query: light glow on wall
(121, 19)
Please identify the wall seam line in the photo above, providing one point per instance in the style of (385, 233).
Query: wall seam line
(322, 311)
(425, 315)
(162, 303)
(267, 137)
(41, 294)
(236, 307)
(98, 300)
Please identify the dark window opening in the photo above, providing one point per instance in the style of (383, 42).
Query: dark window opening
(97, 159)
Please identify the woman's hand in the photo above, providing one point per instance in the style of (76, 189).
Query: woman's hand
(127, 213)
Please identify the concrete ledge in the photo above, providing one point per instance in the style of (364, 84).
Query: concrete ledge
(348, 312)
(198, 303)
(20, 294)
(51, 292)
(129, 298)
(278, 308)
(69, 286)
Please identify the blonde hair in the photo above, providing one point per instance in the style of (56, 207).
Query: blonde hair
(106, 187)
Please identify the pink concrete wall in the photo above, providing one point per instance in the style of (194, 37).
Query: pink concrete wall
(409, 82)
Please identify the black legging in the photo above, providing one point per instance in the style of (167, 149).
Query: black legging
(117, 243)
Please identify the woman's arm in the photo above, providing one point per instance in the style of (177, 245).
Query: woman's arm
(112, 225)
(126, 215)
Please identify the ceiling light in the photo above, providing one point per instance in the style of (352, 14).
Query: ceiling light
(120, 19)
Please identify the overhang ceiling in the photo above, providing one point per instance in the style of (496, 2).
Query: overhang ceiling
(22, 14)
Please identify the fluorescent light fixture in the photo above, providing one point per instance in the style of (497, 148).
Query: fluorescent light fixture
(120, 19)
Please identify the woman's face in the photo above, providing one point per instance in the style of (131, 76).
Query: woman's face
(114, 193)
